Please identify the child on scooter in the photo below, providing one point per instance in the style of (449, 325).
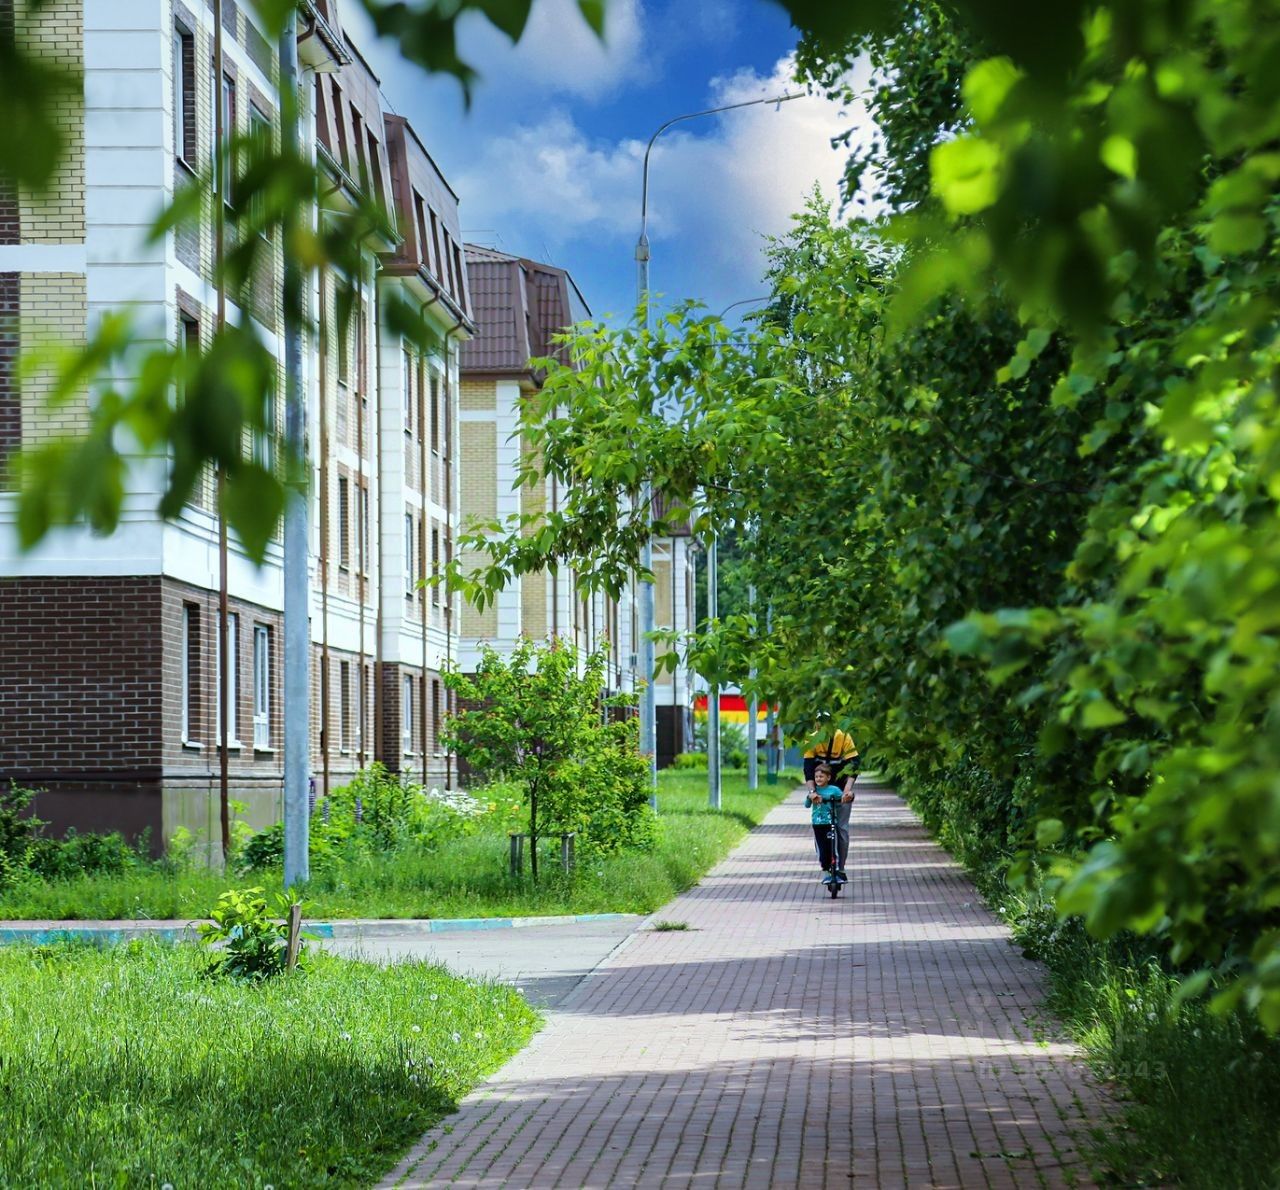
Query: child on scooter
(821, 810)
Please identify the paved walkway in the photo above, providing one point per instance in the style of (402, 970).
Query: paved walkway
(887, 1038)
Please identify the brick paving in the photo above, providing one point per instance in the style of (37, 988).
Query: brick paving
(887, 1038)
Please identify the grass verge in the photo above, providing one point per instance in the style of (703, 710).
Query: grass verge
(128, 1066)
(1199, 1093)
(465, 877)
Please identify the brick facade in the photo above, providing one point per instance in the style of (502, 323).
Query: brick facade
(10, 401)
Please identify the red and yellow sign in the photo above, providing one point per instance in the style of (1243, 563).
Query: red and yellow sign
(733, 708)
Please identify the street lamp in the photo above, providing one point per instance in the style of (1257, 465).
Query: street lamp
(648, 702)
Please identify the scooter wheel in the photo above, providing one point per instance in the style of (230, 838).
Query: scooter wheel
(834, 887)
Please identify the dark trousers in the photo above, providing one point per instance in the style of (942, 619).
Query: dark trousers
(822, 839)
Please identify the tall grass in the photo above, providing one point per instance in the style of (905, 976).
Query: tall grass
(130, 1067)
(463, 877)
(1200, 1092)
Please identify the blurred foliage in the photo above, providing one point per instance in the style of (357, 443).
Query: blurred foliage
(1007, 455)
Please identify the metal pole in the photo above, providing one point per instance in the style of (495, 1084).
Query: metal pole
(753, 768)
(770, 756)
(648, 700)
(644, 647)
(221, 181)
(297, 631)
(713, 702)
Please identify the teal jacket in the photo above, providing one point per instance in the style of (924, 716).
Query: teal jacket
(820, 810)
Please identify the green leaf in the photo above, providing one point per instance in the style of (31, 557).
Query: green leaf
(1098, 712)
(966, 174)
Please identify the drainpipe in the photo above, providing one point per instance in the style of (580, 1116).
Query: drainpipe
(448, 613)
(323, 365)
(363, 520)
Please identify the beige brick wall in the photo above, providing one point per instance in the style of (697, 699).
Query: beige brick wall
(480, 624)
(53, 313)
(478, 478)
(478, 394)
(55, 33)
(533, 587)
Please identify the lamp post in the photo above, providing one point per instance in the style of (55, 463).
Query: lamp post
(648, 702)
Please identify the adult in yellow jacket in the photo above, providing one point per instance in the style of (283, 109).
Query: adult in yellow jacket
(835, 748)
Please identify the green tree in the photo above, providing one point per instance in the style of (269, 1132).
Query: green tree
(540, 718)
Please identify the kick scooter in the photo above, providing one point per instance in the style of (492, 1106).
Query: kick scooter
(835, 879)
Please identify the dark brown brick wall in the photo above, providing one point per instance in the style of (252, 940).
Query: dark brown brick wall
(80, 698)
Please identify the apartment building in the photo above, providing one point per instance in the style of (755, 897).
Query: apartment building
(520, 306)
(109, 659)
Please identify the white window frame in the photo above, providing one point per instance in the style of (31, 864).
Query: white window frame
(182, 37)
(261, 687)
(344, 523)
(406, 714)
(188, 690)
(233, 656)
(408, 555)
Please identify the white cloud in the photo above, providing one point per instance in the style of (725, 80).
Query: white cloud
(717, 185)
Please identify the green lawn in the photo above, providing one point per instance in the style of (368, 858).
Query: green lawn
(130, 1067)
(466, 877)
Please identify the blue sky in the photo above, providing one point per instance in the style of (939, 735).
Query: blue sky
(548, 160)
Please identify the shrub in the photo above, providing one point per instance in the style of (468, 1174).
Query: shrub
(263, 850)
(18, 832)
(83, 855)
(689, 760)
(251, 944)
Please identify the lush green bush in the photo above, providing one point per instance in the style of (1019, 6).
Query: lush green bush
(19, 830)
(689, 760)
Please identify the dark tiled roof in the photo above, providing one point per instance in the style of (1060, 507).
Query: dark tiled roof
(518, 306)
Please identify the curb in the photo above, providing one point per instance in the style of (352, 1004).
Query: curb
(111, 933)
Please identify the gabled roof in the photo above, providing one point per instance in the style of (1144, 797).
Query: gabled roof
(519, 305)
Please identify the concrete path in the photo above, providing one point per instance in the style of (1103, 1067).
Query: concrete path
(545, 961)
(888, 1038)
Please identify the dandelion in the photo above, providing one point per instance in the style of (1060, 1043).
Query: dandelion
(455, 1038)
(413, 1078)
(479, 1035)
(417, 1028)
(429, 1060)
(346, 1036)
(433, 996)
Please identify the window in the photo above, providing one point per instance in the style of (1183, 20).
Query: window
(343, 326)
(220, 155)
(406, 715)
(408, 554)
(189, 343)
(424, 248)
(344, 688)
(261, 686)
(435, 411)
(435, 242)
(190, 671)
(435, 712)
(344, 523)
(357, 135)
(362, 348)
(435, 565)
(406, 382)
(260, 135)
(264, 437)
(362, 501)
(233, 655)
(457, 269)
(361, 677)
(184, 95)
(375, 168)
(340, 129)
